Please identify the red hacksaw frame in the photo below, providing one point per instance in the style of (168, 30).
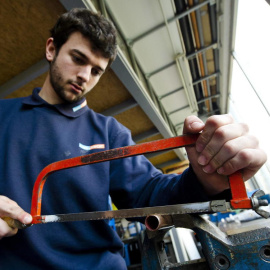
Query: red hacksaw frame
(238, 190)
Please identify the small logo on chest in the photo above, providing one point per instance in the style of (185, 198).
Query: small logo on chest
(91, 147)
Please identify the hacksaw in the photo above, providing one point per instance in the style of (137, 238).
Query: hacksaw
(239, 200)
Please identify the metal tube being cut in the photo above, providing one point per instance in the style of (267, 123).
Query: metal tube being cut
(156, 222)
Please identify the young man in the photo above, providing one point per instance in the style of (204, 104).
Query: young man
(53, 122)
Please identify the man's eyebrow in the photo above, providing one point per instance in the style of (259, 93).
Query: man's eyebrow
(87, 59)
(80, 53)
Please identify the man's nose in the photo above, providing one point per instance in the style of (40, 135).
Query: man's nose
(84, 73)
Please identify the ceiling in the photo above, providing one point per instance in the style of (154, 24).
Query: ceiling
(174, 60)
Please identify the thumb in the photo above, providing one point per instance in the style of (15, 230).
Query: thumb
(193, 124)
(25, 218)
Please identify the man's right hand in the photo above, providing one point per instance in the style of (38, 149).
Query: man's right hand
(9, 208)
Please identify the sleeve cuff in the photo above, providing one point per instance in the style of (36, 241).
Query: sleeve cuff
(193, 190)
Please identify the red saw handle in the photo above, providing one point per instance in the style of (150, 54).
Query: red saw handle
(240, 199)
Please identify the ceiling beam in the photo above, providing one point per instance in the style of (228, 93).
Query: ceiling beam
(145, 135)
(122, 107)
(23, 78)
(227, 29)
(206, 77)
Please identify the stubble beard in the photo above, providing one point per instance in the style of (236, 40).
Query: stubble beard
(58, 84)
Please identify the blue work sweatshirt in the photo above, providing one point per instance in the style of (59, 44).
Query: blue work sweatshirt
(34, 134)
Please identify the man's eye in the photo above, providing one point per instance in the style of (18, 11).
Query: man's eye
(77, 59)
(96, 72)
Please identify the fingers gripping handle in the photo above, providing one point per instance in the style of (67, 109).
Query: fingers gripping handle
(14, 223)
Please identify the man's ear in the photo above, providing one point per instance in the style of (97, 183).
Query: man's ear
(50, 50)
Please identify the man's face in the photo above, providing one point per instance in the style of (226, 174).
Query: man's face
(76, 69)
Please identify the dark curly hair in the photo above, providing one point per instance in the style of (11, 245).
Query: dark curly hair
(99, 30)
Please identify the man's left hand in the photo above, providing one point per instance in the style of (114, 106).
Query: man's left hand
(222, 148)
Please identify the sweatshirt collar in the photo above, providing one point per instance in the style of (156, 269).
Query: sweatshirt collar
(68, 109)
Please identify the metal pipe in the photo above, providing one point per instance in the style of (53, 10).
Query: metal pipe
(201, 50)
(156, 222)
(210, 97)
(206, 78)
